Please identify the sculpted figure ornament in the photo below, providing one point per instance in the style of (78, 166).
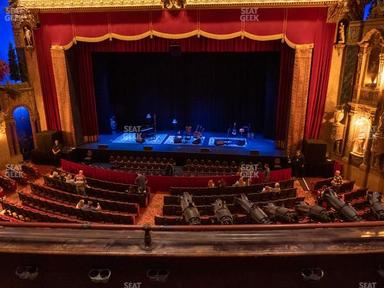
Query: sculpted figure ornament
(341, 33)
(174, 4)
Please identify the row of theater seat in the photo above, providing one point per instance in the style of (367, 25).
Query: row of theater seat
(207, 210)
(139, 198)
(25, 213)
(9, 185)
(140, 160)
(72, 212)
(287, 184)
(230, 198)
(347, 186)
(209, 167)
(149, 166)
(73, 199)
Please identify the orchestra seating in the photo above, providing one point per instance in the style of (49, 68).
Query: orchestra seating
(209, 168)
(112, 195)
(164, 183)
(30, 171)
(9, 185)
(149, 166)
(71, 211)
(229, 189)
(73, 199)
(347, 186)
(207, 210)
(229, 198)
(26, 213)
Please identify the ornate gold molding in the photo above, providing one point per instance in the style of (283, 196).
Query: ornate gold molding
(85, 5)
(63, 95)
(299, 96)
(337, 11)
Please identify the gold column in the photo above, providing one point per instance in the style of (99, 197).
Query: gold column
(63, 94)
(381, 72)
(361, 66)
(34, 80)
(335, 79)
(300, 89)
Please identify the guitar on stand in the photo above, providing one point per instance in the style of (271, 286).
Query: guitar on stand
(234, 129)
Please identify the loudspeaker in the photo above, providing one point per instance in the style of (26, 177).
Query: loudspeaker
(102, 146)
(314, 150)
(205, 150)
(148, 148)
(45, 139)
(254, 153)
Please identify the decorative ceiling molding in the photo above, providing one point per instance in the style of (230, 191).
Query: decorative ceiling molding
(338, 11)
(100, 5)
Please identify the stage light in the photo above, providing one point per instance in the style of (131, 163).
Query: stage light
(148, 117)
(174, 121)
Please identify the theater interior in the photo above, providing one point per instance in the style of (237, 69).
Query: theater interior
(192, 143)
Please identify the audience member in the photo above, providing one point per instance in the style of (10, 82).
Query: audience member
(277, 187)
(298, 163)
(267, 173)
(221, 183)
(211, 183)
(141, 181)
(56, 152)
(240, 183)
(80, 182)
(80, 204)
(98, 207)
(337, 179)
(267, 189)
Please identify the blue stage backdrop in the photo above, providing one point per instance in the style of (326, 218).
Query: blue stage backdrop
(6, 34)
(211, 89)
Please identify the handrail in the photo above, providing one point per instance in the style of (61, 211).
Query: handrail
(189, 228)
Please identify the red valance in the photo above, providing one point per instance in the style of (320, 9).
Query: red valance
(298, 26)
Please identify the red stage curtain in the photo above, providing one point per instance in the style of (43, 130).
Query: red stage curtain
(287, 59)
(47, 81)
(321, 64)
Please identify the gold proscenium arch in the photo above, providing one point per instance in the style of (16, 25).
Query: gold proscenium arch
(299, 93)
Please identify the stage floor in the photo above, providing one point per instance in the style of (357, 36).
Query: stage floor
(164, 144)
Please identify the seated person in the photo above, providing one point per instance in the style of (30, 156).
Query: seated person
(276, 188)
(55, 174)
(267, 189)
(98, 207)
(87, 205)
(337, 179)
(69, 179)
(221, 183)
(141, 181)
(240, 183)
(80, 204)
(211, 183)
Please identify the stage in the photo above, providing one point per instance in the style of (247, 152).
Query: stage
(123, 143)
